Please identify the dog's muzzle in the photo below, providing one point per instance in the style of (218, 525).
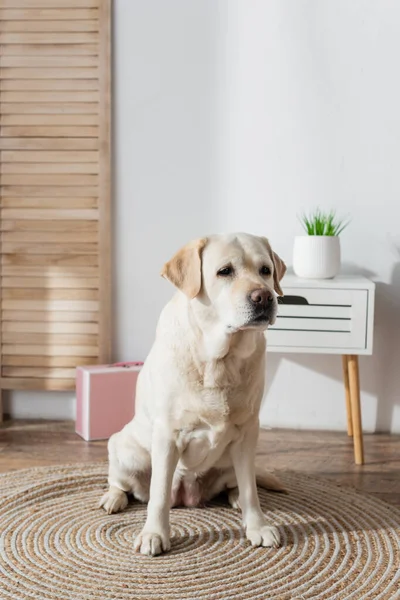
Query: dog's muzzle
(263, 306)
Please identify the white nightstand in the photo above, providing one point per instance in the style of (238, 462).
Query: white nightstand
(329, 316)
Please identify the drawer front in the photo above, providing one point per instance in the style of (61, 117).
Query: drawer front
(321, 318)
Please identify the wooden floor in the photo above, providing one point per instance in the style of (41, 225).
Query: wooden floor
(25, 444)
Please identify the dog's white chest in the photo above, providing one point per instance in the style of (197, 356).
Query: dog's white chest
(200, 447)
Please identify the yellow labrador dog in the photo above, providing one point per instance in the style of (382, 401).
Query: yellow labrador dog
(196, 425)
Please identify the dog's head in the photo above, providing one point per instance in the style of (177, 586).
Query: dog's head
(235, 277)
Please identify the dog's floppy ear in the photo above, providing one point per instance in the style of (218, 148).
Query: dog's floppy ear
(184, 268)
(279, 271)
(279, 267)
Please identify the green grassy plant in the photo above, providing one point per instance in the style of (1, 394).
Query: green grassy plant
(319, 222)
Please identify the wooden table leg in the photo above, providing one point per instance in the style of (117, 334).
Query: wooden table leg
(354, 382)
(347, 392)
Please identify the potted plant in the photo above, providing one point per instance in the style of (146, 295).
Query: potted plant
(317, 254)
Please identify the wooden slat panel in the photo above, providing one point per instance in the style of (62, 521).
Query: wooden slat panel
(41, 179)
(49, 143)
(38, 327)
(47, 14)
(54, 131)
(49, 214)
(83, 283)
(11, 156)
(50, 316)
(49, 72)
(48, 294)
(50, 305)
(47, 61)
(49, 350)
(53, 339)
(64, 203)
(60, 26)
(54, 248)
(48, 361)
(28, 383)
(74, 272)
(105, 252)
(54, 190)
(48, 191)
(49, 109)
(49, 236)
(48, 225)
(47, 260)
(49, 4)
(50, 50)
(41, 372)
(49, 38)
(43, 96)
(58, 179)
(49, 120)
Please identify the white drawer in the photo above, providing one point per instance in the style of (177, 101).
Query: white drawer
(325, 319)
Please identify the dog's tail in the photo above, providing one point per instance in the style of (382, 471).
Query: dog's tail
(269, 481)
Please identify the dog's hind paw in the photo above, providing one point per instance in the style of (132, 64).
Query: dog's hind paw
(114, 501)
(233, 498)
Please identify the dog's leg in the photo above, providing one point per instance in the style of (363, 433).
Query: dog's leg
(264, 480)
(128, 472)
(233, 498)
(243, 457)
(224, 480)
(154, 537)
(114, 500)
(267, 481)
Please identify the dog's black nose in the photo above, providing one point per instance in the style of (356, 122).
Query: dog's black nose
(261, 297)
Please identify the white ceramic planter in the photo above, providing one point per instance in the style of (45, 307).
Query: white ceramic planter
(316, 256)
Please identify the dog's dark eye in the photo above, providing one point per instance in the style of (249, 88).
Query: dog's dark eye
(265, 270)
(225, 272)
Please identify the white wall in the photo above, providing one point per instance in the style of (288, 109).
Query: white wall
(239, 114)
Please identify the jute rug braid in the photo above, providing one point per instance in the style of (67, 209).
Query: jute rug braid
(56, 544)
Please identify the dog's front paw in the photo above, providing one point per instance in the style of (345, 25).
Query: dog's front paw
(152, 543)
(266, 536)
(114, 501)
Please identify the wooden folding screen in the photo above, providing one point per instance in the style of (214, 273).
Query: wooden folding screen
(54, 190)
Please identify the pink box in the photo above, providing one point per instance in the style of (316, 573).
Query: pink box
(105, 399)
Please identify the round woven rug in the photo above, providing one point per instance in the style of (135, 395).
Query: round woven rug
(56, 544)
